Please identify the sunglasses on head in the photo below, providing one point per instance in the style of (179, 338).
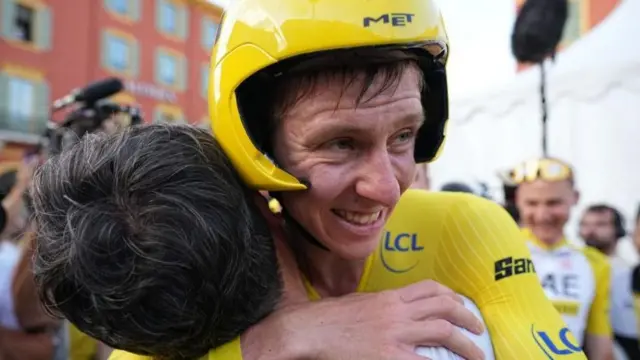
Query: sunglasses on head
(540, 169)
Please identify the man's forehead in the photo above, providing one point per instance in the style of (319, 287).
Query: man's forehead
(336, 92)
(598, 216)
(543, 188)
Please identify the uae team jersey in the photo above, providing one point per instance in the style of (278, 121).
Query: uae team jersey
(472, 246)
(577, 280)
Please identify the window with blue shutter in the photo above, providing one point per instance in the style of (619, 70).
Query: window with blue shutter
(24, 106)
(42, 103)
(168, 69)
(27, 24)
(120, 54)
(134, 70)
(119, 6)
(204, 76)
(44, 28)
(183, 22)
(209, 32)
(124, 9)
(4, 100)
(21, 103)
(573, 26)
(8, 16)
(172, 19)
(182, 79)
(136, 9)
(171, 69)
(168, 17)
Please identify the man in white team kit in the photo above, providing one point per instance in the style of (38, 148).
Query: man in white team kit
(576, 279)
(601, 227)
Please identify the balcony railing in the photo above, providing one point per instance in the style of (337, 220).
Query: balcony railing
(19, 127)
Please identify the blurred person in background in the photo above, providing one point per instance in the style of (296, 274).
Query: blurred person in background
(635, 275)
(636, 231)
(19, 340)
(457, 187)
(576, 279)
(601, 227)
(13, 186)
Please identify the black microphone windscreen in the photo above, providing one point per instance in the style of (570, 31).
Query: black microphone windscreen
(100, 90)
(538, 29)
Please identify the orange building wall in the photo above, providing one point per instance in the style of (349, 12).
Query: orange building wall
(74, 58)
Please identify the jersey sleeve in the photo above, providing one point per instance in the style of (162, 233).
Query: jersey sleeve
(123, 355)
(599, 322)
(477, 250)
(228, 351)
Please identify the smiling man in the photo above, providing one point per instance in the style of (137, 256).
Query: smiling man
(576, 279)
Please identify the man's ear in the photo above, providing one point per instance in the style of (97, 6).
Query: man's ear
(516, 195)
(576, 197)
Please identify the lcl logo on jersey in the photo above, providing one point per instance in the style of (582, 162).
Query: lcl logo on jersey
(395, 246)
(554, 343)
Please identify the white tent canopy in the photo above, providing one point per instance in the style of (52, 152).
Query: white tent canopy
(593, 93)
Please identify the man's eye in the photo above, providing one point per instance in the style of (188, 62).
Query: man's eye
(341, 144)
(404, 137)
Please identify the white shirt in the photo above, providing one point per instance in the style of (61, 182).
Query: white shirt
(9, 257)
(482, 341)
(623, 316)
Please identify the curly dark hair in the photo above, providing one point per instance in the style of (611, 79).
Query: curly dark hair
(148, 241)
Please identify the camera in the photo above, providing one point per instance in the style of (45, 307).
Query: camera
(91, 113)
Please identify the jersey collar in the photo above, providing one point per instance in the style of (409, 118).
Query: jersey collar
(531, 238)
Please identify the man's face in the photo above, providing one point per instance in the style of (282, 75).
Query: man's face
(545, 207)
(359, 159)
(597, 229)
(421, 180)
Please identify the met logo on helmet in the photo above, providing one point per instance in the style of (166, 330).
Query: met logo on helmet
(396, 19)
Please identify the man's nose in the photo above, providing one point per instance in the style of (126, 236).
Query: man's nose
(377, 179)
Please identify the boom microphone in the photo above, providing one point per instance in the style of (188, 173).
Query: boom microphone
(538, 30)
(91, 93)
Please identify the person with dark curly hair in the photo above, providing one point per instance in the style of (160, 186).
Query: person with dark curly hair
(170, 231)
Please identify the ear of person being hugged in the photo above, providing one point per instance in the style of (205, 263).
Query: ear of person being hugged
(148, 241)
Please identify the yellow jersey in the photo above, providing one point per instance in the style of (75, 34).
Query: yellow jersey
(471, 245)
(577, 280)
(81, 345)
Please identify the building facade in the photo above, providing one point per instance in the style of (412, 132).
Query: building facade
(583, 16)
(159, 48)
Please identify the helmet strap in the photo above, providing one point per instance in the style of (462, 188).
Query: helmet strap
(294, 227)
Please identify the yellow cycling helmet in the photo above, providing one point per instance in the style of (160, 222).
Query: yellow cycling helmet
(257, 36)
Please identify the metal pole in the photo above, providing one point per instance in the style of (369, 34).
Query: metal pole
(543, 99)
